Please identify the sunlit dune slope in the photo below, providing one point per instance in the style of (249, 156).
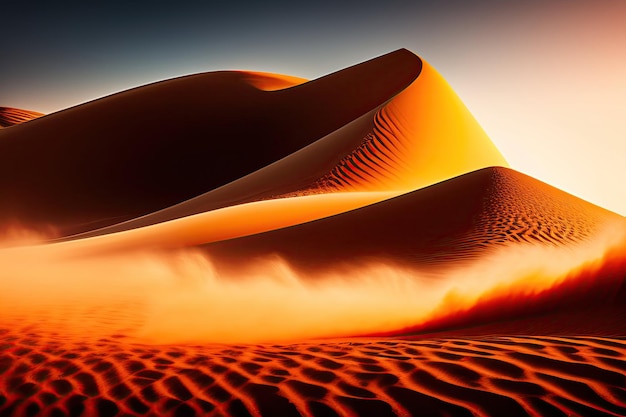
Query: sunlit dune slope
(455, 220)
(252, 244)
(449, 254)
(421, 136)
(449, 222)
(148, 148)
(10, 116)
(490, 245)
(222, 139)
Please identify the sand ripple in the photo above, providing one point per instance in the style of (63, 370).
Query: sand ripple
(488, 375)
(10, 116)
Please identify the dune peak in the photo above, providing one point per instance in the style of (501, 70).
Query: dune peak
(246, 243)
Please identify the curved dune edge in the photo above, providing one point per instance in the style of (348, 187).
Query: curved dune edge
(423, 136)
(339, 237)
(515, 209)
(281, 179)
(226, 223)
(267, 81)
(10, 116)
(213, 129)
(313, 279)
(445, 224)
(420, 137)
(586, 297)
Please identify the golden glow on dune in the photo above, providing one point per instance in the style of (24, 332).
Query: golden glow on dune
(228, 223)
(550, 97)
(269, 301)
(147, 284)
(446, 139)
(532, 271)
(267, 81)
(178, 297)
(423, 136)
(493, 253)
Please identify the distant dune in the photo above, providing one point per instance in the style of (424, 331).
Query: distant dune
(239, 243)
(494, 218)
(449, 222)
(148, 148)
(374, 126)
(402, 145)
(10, 116)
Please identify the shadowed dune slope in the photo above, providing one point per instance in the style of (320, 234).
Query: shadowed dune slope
(208, 220)
(401, 145)
(454, 221)
(204, 142)
(458, 219)
(482, 225)
(10, 116)
(148, 148)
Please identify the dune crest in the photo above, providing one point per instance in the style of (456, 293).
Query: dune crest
(388, 137)
(448, 223)
(240, 243)
(424, 135)
(175, 140)
(272, 82)
(10, 116)
(418, 137)
(426, 260)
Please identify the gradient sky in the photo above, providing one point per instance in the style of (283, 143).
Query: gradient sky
(546, 79)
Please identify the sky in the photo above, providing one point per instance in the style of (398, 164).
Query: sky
(545, 79)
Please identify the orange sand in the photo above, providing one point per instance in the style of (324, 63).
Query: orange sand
(11, 117)
(455, 376)
(227, 237)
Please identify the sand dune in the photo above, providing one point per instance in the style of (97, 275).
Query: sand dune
(10, 116)
(248, 244)
(396, 147)
(348, 131)
(453, 221)
(491, 245)
(148, 148)
(558, 253)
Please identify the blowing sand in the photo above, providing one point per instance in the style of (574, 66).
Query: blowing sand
(247, 244)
